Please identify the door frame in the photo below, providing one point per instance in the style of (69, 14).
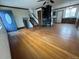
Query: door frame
(62, 15)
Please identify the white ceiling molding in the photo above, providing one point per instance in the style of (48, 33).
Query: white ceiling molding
(32, 3)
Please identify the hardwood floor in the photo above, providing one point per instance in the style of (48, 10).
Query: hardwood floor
(58, 42)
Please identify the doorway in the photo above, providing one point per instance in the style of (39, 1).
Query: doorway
(40, 17)
(59, 16)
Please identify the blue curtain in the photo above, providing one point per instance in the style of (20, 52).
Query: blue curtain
(8, 20)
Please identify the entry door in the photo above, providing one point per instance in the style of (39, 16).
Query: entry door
(40, 17)
(8, 20)
(59, 16)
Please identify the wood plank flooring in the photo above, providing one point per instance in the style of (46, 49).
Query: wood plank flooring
(58, 42)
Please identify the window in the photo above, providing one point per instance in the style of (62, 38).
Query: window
(54, 13)
(8, 18)
(70, 12)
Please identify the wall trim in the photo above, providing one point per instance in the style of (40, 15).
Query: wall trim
(20, 28)
(14, 7)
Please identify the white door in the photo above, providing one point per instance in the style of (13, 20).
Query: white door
(59, 16)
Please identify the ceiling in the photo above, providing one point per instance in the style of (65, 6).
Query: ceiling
(29, 3)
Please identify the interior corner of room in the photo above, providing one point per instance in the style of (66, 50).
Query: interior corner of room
(39, 29)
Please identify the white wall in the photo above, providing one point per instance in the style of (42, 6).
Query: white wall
(18, 14)
(4, 44)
